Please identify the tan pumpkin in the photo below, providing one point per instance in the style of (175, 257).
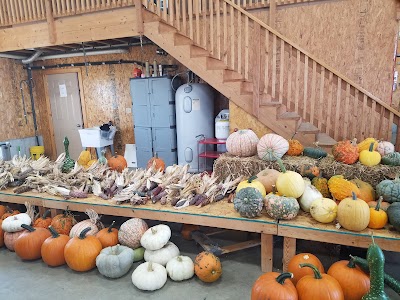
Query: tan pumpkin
(242, 143)
(345, 152)
(353, 213)
(295, 148)
(324, 210)
(268, 178)
(271, 147)
(93, 223)
(364, 145)
(367, 192)
(131, 232)
(84, 158)
(341, 188)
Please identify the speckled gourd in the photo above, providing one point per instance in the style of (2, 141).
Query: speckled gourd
(248, 202)
(68, 163)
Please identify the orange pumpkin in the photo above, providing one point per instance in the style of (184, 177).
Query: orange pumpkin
(63, 223)
(384, 205)
(302, 258)
(117, 162)
(274, 286)
(80, 252)
(295, 148)
(9, 212)
(309, 171)
(108, 236)
(10, 238)
(28, 245)
(1, 235)
(345, 152)
(354, 282)
(159, 164)
(207, 267)
(3, 210)
(318, 286)
(53, 248)
(367, 192)
(44, 221)
(378, 218)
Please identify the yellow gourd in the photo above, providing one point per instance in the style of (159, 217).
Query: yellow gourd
(341, 188)
(90, 162)
(364, 145)
(84, 158)
(324, 210)
(289, 183)
(370, 157)
(252, 182)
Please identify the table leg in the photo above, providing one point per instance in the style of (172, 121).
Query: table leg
(267, 248)
(42, 210)
(54, 212)
(289, 250)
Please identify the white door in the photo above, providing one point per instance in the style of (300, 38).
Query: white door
(66, 111)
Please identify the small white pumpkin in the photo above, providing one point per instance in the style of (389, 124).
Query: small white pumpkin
(242, 143)
(149, 276)
(385, 148)
(324, 210)
(309, 196)
(272, 146)
(156, 237)
(180, 268)
(163, 255)
(131, 231)
(13, 223)
(115, 261)
(93, 222)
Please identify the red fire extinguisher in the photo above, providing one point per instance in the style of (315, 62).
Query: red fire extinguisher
(137, 72)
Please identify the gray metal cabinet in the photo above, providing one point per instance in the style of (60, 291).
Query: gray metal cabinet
(153, 103)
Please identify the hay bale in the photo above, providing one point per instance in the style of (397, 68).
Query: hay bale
(235, 166)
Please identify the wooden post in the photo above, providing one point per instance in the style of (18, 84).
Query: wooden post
(50, 22)
(256, 61)
(267, 248)
(289, 250)
(272, 13)
(139, 16)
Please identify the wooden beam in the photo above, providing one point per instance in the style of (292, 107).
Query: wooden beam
(139, 17)
(50, 23)
(272, 14)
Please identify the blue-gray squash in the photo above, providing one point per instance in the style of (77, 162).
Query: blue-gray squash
(248, 202)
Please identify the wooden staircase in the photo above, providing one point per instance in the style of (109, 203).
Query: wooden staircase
(268, 76)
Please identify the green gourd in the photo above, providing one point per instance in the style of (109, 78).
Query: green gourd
(281, 207)
(376, 264)
(102, 159)
(69, 163)
(393, 212)
(314, 152)
(391, 159)
(389, 280)
(248, 202)
(389, 190)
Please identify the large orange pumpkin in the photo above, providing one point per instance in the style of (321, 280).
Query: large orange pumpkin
(274, 286)
(28, 245)
(354, 282)
(53, 248)
(63, 223)
(207, 267)
(43, 221)
(81, 252)
(367, 192)
(1, 235)
(117, 162)
(3, 210)
(108, 236)
(159, 164)
(302, 258)
(9, 212)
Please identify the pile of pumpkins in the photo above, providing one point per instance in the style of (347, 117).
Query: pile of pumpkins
(353, 279)
(270, 147)
(87, 244)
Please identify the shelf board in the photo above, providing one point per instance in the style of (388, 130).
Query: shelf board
(212, 141)
(210, 154)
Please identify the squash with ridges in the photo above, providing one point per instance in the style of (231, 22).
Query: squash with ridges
(248, 202)
(389, 190)
(281, 207)
(341, 188)
(391, 159)
(394, 215)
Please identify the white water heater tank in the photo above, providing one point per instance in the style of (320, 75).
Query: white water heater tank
(194, 119)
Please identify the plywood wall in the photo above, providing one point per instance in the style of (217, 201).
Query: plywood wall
(356, 37)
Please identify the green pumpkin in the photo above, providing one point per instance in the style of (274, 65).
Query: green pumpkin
(314, 152)
(391, 159)
(248, 202)
(69, 163)
(281, 207)
(389, 190)
(394, 215)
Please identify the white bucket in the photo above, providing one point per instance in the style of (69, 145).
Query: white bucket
(222, 125)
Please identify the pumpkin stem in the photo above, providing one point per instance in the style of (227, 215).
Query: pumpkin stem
(317, 273)
(53, 232)
(150, 267)
(27, 227)
(282, 277)
(179, 258)
(82, 235)
(378, 205)
(111, 227)
(274, 191)
(153, 230)
(281, 166)
(351, 263)
(371, 147)
(46, 213)
(250, 180)
(353, 196)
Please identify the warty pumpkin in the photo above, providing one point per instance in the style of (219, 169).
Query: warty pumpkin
(81, 252)
(385, 148)
(370, 157)
(354, 282)
(321, 184)
(28, 245)
(43, 221)
(341, 188)
(318, 286)
(364, 145)
(391, 159)
(281, 207)
(63, 223)
(345, 152)
(274, 286)
(393, 212)
(367, 192)
(298, 273)
(268, 178)
(378, 217)
(271, 147)
(353, 213)
(242, 143)
(324, 210)
(108, 236)
(131, 232)
(252, 182)
(52, 249)
(158, 163)
(117, 163)
(295, 148)
(248, 202)
(289, 183)
(389, 190)
(207, 267)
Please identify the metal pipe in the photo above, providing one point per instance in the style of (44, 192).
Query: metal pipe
(32, 58)
(12, 56)
(89, 53)
(30, 84)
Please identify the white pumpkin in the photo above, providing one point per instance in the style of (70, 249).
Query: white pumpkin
(242, 143)
(149, 276)
(156, 237)
(309, 196)
(385, 148)
(13, 223)
(324, 210)
(180, 268)
(115, 261)
(163, 255)
(93, 222)
(272, 146)
(131, 231)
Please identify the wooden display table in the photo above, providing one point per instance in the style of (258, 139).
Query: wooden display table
(306, 228)
(219, 215)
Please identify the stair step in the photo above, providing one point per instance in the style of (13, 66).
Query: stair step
(306, 127)
(246, 88)
(289, 116)
(215, 64)
(271, 103)
(325, 140)
(165, 28)
(180, 40)
(196, 51)
(232, 76)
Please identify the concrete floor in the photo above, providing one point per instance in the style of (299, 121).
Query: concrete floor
(34, 280)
